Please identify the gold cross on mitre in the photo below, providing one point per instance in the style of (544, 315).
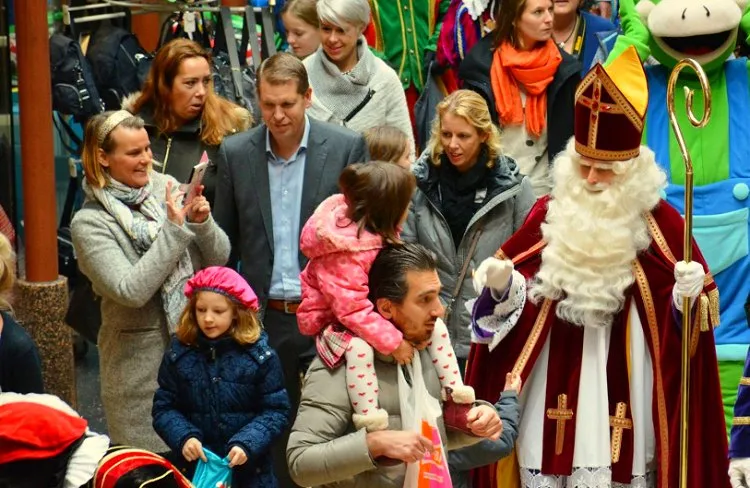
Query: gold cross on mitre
(618, 423)
(561, 414)
(610, 106)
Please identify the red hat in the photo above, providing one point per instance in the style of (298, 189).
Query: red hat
(225, 281)
(30, 430)
(610, 107)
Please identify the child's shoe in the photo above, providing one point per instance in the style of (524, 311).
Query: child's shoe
(455, 413)
(375, 420)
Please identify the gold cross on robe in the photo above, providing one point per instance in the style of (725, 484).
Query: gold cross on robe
(561, 414)
(618, 423)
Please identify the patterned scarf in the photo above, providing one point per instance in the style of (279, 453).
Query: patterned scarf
(141, 215)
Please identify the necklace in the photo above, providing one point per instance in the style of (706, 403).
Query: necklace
(562, 44)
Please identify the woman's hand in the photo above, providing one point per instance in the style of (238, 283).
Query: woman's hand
(198, 209)
(175, 213)
(193, 449)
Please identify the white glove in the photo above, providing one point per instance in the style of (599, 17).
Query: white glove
(739, 472)
(493, 273)
(688, 281)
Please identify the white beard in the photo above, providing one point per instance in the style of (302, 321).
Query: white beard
(593, 237)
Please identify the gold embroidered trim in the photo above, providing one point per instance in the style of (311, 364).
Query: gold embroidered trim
(648, 304)
(605, 155)
(529, 252)
(744, 381)
(500, 254)
(741, 421)
(658, 237)
(703, 312)
(561, 414)
(713, 305)
(600, 74)
(619, 422)
(695, 331)
(536, 332)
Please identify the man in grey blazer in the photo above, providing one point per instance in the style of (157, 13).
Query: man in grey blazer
(271, 179)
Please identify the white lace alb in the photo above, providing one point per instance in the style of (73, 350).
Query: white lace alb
(583, 478)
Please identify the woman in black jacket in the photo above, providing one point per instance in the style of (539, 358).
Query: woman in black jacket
(529, 84)
(183, 115)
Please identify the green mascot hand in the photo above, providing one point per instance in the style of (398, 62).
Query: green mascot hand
(634, 33)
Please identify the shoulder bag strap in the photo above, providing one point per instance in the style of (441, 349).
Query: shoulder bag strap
(465, 267)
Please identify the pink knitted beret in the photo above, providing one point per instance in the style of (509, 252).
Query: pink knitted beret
(225, 281)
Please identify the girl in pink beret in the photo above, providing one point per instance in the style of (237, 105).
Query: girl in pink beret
(221, 386)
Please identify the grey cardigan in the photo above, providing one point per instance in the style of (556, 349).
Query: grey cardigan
(134, 334)
(324, 449)
(500, 217)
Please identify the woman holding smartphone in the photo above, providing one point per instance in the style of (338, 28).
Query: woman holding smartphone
(138, 244)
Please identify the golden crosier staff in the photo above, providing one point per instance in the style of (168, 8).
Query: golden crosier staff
(688, 245)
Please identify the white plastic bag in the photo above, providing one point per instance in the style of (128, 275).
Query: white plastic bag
(420, 412)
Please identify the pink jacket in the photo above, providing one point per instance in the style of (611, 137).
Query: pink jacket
(334, 282)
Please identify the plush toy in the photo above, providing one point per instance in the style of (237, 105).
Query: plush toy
(706, 30)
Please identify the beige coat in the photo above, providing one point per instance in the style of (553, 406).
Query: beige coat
(134, 334)
(325, 450)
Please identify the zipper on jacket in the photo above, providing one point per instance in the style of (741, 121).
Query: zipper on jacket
(213, 353)
(166, 156)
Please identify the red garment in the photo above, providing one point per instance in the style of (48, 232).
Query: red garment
(534, 70)
(31, 430)
(334, 282)
(707, 437)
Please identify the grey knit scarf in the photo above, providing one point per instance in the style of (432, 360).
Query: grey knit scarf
(338, 92)
(141, 215)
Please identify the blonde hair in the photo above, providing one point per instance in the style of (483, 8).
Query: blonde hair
(473, 108)
(386, 143)
(96, 175)
(245, 329)
(7, 271)
(305, 10)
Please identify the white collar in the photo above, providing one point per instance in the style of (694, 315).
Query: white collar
(477, 7)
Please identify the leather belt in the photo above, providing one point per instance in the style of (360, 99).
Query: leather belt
(286, 306)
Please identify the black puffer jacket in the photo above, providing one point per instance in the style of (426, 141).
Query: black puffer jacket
(475, 74)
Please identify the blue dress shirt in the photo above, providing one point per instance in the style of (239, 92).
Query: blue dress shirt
(286, 178)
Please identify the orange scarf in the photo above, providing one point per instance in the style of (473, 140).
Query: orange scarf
(533, 70)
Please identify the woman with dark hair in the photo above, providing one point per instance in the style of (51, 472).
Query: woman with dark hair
(183, 114)
(529, 84)
(578, 32)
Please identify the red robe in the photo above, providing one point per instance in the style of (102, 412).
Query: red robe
(652, 292)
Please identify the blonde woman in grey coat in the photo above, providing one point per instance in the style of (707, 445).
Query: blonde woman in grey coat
(138, 245)
(470, 199)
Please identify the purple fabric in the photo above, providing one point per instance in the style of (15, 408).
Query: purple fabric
(483, 307)
(225, 281)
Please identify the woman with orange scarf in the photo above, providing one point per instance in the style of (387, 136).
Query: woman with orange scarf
(529, 85)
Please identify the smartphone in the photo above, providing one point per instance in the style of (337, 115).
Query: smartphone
(195, 180)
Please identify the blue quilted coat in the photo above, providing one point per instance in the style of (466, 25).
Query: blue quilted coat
(224, 394)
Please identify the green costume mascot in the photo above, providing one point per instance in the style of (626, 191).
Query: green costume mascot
(707, 30)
